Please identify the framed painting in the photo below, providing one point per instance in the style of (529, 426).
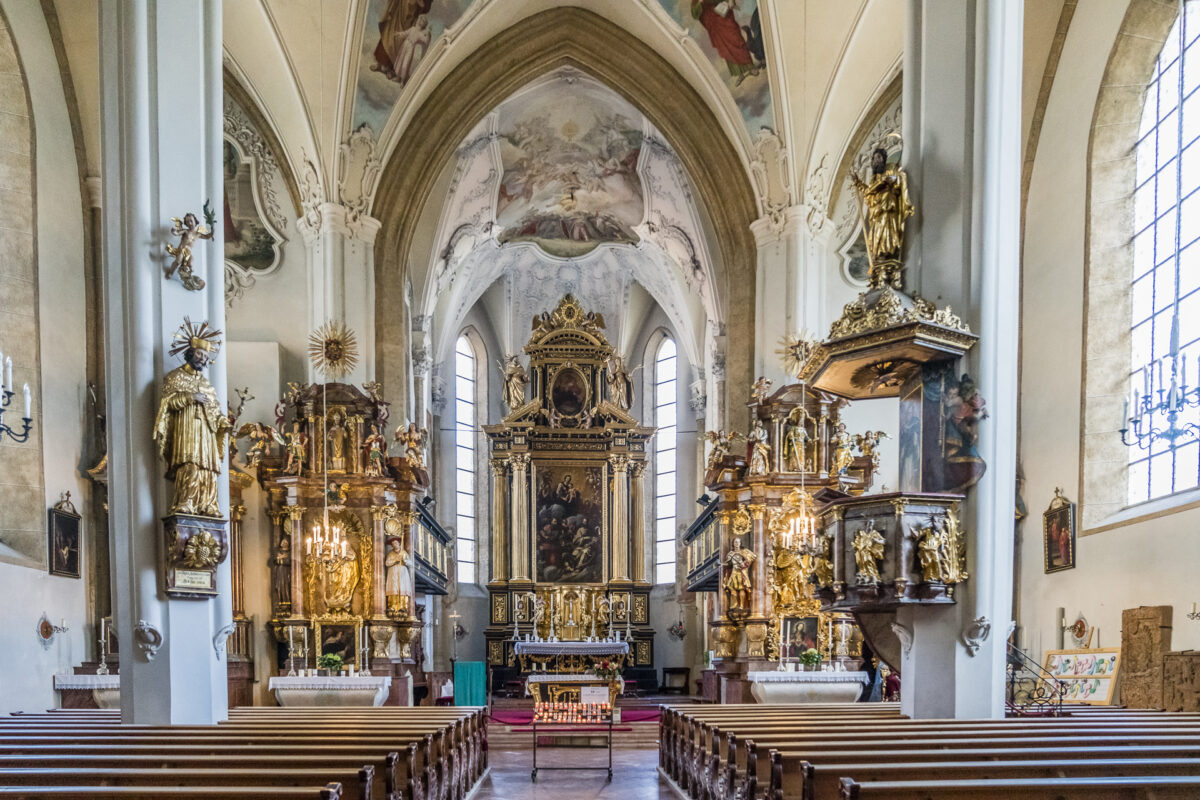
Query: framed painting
(341, 637)
(1058, 534)
(569, 523)
(64, 539)
(799, 634)
(1090, 675)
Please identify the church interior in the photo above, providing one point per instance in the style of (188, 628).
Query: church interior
(790, 398)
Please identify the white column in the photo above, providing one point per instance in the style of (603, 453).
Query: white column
(620, 517)
(341, 277)
(519, 523)
(962, 133)
(161, 141)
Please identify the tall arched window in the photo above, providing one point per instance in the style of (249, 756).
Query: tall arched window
(464, 458)
(1165, 292)
(666, 380)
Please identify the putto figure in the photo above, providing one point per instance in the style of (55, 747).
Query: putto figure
(884, 207)
(191, 428)
(189, 230)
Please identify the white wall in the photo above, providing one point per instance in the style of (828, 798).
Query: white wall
(26, 593)
(1148, 562)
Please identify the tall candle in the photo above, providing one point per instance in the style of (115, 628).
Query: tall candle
(305, 640)
(8, 373)
(2, 383)
(28, 401)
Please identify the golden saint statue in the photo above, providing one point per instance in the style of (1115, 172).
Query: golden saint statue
(868, 552)
(190, 428)
(341, 579)
(884, 207)
(737, 582)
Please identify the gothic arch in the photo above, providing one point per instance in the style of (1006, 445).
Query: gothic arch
(513, 58)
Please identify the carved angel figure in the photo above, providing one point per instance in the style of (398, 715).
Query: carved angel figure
(413, 439)
(842, 446)
(189, 230)
(261, 438)
(868, 445)
(868, 552)
(758, 391)
(720, 441)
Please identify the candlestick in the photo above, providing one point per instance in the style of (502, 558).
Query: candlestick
(28, 402)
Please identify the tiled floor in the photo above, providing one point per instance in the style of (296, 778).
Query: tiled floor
(635, 776)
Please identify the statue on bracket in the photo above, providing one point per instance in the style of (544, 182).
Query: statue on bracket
(760, 451)
(375, 454)
(189, 230)
(620, 384)
(191, 428)
(884, 206)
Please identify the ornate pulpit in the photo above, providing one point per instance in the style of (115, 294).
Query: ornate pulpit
(567, 470)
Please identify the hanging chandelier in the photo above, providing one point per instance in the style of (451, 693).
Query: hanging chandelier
(796, 524)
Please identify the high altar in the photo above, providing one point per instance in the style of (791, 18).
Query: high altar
(567, 486)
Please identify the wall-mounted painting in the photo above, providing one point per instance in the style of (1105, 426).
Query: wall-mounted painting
(730, 34)
(396, 36)
(570, 152)
(569, 540)
(250, 243)
(1058, 533)
(64, 538)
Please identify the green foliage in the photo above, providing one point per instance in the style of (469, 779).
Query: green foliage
(330, 661)
(811, 656)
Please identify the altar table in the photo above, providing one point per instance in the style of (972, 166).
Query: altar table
(360, 690)
(105, 689)
(568, 656)
(774, 687)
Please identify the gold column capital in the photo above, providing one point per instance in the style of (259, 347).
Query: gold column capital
(499, 465)
(294, 513)
(757, 510)
(636, 468)
(619, 462)
(519, 460)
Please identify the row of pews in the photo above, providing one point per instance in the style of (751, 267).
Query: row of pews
(437, 753)
(868, 751)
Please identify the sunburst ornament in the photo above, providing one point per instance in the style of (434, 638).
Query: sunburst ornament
(191, 336)
(795, 350)
(333, 350)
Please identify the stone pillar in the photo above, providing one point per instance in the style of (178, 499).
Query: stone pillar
(161, 155)
(778, 240)
(500, 552)
(295, 521)
(777, 442)
(962, 109)
(340, 250)
(637, 517)
(519, 523)
(758, 539)
(620, 517)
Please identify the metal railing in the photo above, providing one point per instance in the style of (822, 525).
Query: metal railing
(1032, 691)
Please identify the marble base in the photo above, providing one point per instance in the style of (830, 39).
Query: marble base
(779, 688)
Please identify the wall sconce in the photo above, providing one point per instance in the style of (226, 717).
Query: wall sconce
(47, 630)
(6, 396)
(1193, 614)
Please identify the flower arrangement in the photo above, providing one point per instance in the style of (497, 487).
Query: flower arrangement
(605, 668)
(810, 657)
(330, 661)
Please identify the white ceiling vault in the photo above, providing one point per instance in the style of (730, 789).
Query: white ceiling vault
(562, 178)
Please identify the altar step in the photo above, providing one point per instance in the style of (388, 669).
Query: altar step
(520, 737)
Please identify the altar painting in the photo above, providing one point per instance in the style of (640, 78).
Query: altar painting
(570, 177)
(569, 542)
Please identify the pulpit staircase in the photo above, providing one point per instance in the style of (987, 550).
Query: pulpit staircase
(1031, 691)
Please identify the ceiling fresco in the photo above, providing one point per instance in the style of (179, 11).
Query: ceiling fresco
(396, 37)
(730, 34)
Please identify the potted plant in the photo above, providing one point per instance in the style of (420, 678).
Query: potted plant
(329, 664)
(810, 658)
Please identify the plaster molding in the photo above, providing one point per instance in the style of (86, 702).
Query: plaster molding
(147, 638)
(358, 167)
(772, 173)
(975, 634)
(220, 638)
(905, 635)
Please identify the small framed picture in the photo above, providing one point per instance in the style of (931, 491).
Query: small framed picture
(64, 538)
(1058, 533)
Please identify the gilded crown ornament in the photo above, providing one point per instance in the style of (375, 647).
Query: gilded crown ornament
(333, 350)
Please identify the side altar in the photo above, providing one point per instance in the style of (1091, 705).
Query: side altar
(567, 468)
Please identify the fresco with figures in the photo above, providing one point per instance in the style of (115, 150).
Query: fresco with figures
(396, 36)
(248, 241)
(730, 34)
(569, 540)
(570, 154)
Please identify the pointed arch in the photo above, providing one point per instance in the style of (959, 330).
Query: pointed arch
(513, 58)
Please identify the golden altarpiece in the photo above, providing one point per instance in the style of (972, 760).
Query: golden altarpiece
(345, 535)
(567, 467)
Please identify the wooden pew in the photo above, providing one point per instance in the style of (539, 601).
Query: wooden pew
(356, 783)
(1158, 788)
(331, 792)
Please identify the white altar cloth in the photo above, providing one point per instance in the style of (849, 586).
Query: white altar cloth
(571, 648)
(332, 690)
(106, 689)
(774, 687)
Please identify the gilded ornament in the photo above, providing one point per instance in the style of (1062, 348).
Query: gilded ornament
(942, 551)
(189, 230)
(884, 206)
(202, 551)
(737, 584)
(795, 350)
(333, 350)
(759, 390)
(741, 522)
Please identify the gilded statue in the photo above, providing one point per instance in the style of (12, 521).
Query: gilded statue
(884, 206)
(297, 450)
(515, 379)
(843, 455)
(189, 230)
(760, 451)
(191, 428)
(737, 579)
(413, 440)
(620, 384)
(942, 551)
(335, 437)
(759, 389)
(374, 454)
(281, 576)
(397, 581)
(795, 438)
(823, 563)
(929, 550)
(790, 584)
(868, 552)
(341, 579)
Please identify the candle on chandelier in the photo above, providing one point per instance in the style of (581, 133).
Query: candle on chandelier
(343, 548)
(308, 546)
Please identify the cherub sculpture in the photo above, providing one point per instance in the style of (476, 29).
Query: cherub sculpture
(720, 441)
(413, 439)
(868, 445)
(261, 437)
(189, 230)
(758, 391)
